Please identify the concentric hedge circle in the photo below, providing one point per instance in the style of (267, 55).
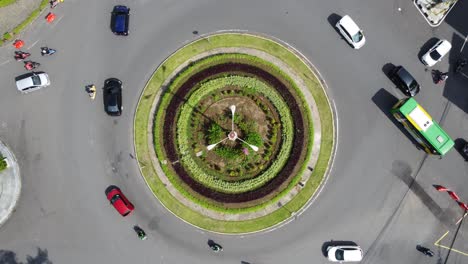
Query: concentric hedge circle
(212, 181)
(278, 175)
(204, 78)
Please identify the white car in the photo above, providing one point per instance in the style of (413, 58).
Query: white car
(351, 32)
(436, 53)
(32, 82)
(344, 253)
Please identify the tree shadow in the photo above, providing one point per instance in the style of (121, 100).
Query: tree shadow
(9, 257)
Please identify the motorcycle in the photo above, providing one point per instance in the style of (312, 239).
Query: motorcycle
(47, 51)
(438, 76)
(91, 90)
(54, 3)
(214, 246)
(21, 55)
(31, 65)
(140, 232)
(461, 63)
(425, 251)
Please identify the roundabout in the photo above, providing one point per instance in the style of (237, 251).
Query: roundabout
(227, 170)
(378, 192)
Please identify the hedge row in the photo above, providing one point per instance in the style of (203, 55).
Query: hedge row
(183, 130)
(179, 93)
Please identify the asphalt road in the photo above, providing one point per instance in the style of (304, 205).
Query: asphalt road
(69, 150)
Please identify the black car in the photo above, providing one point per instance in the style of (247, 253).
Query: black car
(113, 97)
(403, 79)
(119, 20)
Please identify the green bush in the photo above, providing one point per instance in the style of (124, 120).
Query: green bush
(228, 152)
(3, 163)
(7, 36)
(215, 133)
(4, 3)
(254, 139)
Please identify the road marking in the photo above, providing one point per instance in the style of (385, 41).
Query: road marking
(466, 38)
(5, 62)
(58, 20)
(32, 45)
(437, 243)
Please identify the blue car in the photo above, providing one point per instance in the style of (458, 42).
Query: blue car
(119, 20)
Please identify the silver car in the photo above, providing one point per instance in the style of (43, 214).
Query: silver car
(32, 82)
(351, 32)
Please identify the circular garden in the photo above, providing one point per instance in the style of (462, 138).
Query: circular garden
(227, 134)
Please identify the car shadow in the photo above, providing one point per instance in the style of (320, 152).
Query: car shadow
(387, 69)
(459, 144)
(332, 243)
(385, 101)
(426, 46)
(333, 19)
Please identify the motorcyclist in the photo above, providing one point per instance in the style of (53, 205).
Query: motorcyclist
(21, 55)
(47, 51)
(215, 246)
(140, 232)
(426, 251)
(31, 65)
(91, 89)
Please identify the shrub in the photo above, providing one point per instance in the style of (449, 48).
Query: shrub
(3, 163)
(254, 139)
(215, 133)
(7, 36)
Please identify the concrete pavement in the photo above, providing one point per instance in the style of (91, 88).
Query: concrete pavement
(12, 15)
(10, 184)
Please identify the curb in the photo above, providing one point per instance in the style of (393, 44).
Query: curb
(10, 185)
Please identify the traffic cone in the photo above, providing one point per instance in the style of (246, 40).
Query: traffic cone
(18, 43)
(50, 17)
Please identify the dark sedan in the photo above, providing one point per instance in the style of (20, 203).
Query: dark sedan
(113, 97)
(405, 81)
(119, 20)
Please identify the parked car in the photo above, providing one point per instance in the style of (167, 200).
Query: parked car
(344, 253)
(351, 32)
(113, 97)
(32, 81)
(120, 19)
(119, 201)
(436, 53)
(404, 81)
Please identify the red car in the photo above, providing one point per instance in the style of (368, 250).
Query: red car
(119, 201)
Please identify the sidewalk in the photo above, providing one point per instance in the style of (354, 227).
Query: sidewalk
(10, 185)
(14, 14)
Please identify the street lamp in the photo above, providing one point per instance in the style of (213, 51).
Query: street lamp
(232, 135)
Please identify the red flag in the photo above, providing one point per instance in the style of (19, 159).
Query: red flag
(440, 188)
(463, 206)
(454, 196)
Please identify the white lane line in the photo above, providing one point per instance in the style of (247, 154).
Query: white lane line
(466, 38)
(58, 20)
(32, 45)
(5, 62)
